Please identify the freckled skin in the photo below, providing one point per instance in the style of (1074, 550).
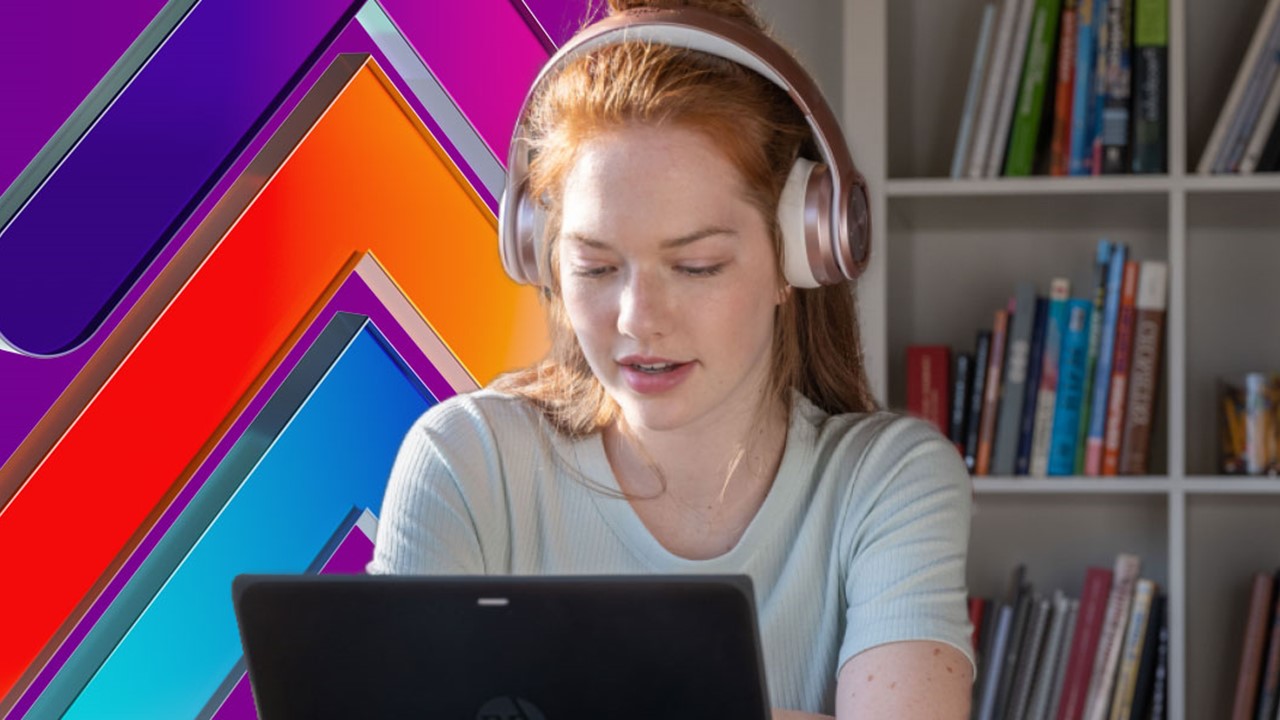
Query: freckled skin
(870, 678)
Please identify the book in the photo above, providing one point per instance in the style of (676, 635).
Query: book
(1025, 599)
(1064, 656)
(1071, 368)
(1029, 657)
(982, 348)
(962, 378)
(1047, 667)
(991, 617)
(1150, 86)
(928, 384)
(1031, 92)
(1269, 681)
(1262, 128)
(986, 707)
(977, 73)
(1122, 353)
(1218, 138)
(1046, 399)
(1251, 647)
(1027, 418)
(1015, 380)
(1135, 634)
(1261, 75)
(1009, 88)
(977, 611)
(1101, 10)
(1144, 371)
(977, 396)
(1144, 685)
(1063, 92)
(1115, 110)
(991, 398)
(1084, 643)
(1101, 263)
(996, 69)
(1107, 658)
(1080, 161)
(1159, 691)
(1102, 368)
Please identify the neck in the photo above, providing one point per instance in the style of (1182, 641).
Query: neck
(715, 464)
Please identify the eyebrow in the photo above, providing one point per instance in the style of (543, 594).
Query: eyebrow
(666, 244)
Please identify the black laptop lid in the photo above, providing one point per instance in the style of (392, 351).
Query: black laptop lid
(502, 648)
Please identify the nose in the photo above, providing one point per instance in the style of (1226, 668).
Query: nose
(644, 306)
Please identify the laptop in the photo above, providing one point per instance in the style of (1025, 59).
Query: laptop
(502, 647)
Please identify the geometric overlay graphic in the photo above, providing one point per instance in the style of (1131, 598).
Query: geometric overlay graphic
(334, 451)
(367, 291)
(258, 257)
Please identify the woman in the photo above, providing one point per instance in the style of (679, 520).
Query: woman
(696, 413)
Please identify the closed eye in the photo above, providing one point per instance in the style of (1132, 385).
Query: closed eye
(701, 271)
(592, 271)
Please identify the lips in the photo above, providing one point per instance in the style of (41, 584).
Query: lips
(648, 375)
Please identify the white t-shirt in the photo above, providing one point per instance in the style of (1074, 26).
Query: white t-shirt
(861, 540)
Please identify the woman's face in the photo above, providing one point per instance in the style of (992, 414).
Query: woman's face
(668, 276)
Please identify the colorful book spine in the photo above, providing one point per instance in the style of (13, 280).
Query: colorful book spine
(1035, 76)
(1071, 369)
(977, 72)
(928, 385)
(1144, 372)
(1255, 636)
(1159, 691)
(1102, 369)
(1080, 161)
(1035, 358)
(1120, 361)
(1262, 129)
(1209, 160)
(1046, 400)
(1015, 380)
(963, 379)
(991, 397)
(1110, 641)
(982, 348)
(1135, 634)
(1115, 110)
(1150, 86)
(1084, 643)
(1101, 263)
(1064, 92)
(1009, 89)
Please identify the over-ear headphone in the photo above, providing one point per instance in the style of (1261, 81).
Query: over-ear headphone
(824, 210)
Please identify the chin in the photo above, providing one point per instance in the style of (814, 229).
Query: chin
(655, 414)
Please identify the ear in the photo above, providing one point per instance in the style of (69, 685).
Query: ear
(784, 294)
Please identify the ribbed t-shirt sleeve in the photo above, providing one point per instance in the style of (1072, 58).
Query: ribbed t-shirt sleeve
(428, 525)
(904, 542)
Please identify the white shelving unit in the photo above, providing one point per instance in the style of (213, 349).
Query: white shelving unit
(947, 254)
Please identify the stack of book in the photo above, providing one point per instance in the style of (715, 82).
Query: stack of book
(1066, 87)
(1258, 682)
(1246, 137)
(1058, 385)
(1102, 656)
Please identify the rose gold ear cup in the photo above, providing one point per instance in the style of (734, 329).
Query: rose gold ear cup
(517, 237)
(855, 221)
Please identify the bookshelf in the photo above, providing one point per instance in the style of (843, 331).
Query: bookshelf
(948, 253)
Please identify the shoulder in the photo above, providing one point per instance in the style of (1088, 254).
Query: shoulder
(486, 414)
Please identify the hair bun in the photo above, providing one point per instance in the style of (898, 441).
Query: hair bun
(737, 9)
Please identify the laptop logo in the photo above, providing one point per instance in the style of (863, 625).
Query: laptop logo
(509, 708)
